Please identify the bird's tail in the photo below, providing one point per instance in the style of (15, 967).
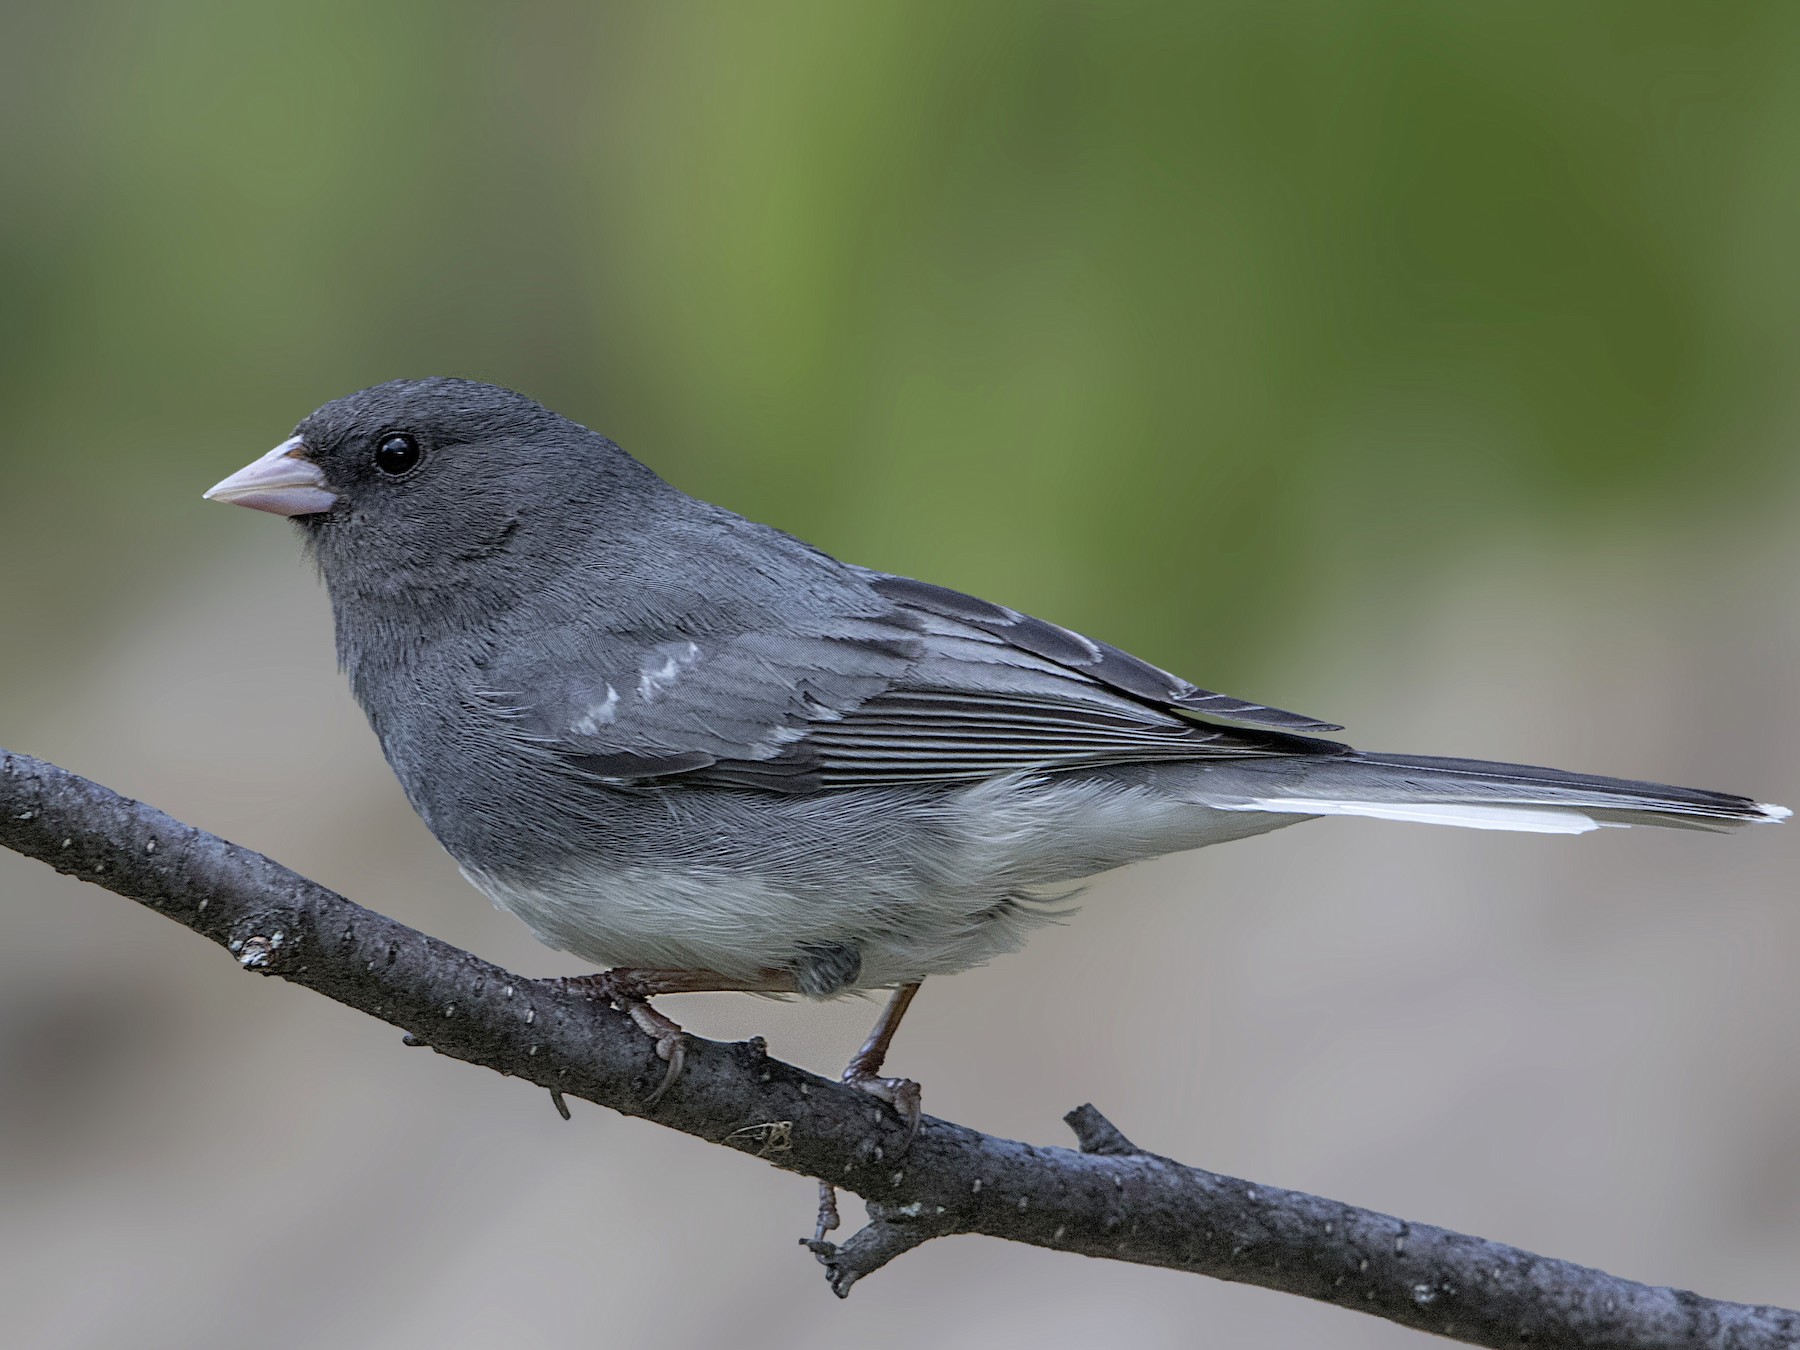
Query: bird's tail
(1484, 796)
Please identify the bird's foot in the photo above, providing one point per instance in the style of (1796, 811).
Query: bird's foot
(901, 1095)
(671, 1043)
(629, 991)
(828, 1216)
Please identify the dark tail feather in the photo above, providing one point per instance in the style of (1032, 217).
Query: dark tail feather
(1480, 795)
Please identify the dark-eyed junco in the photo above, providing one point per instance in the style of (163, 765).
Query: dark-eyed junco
(697, 750)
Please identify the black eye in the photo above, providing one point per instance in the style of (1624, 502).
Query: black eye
(397, 453)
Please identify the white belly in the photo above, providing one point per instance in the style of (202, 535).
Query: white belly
(998, 861)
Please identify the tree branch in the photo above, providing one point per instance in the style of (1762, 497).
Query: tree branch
(1110, 1200)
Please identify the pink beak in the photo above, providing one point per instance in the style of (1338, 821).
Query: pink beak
(283, 482)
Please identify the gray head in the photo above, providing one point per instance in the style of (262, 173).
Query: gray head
(437, 493)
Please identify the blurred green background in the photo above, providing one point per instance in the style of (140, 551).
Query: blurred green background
(1427, 363)
(1175, 319)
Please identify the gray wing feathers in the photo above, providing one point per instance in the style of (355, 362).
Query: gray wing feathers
(1104, 665)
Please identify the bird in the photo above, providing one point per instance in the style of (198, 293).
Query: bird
(703, 755)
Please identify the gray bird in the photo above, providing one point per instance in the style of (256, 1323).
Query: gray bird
(702, 753)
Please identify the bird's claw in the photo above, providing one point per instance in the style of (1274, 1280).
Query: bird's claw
(671, 1042)
(672, 1050)
(901, 1095)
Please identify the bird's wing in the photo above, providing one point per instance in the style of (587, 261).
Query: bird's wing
(937, 687)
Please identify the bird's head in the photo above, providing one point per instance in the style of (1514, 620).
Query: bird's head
(426, 490)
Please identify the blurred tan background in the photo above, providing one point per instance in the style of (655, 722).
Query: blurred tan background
(1428, 367)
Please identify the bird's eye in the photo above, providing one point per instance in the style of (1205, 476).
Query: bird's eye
(397, 454)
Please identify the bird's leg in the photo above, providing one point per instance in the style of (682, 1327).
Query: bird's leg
(630, 991)
(864, 1069)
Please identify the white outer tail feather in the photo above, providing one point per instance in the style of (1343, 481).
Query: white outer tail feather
(1532, 819)
(1467, 815)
